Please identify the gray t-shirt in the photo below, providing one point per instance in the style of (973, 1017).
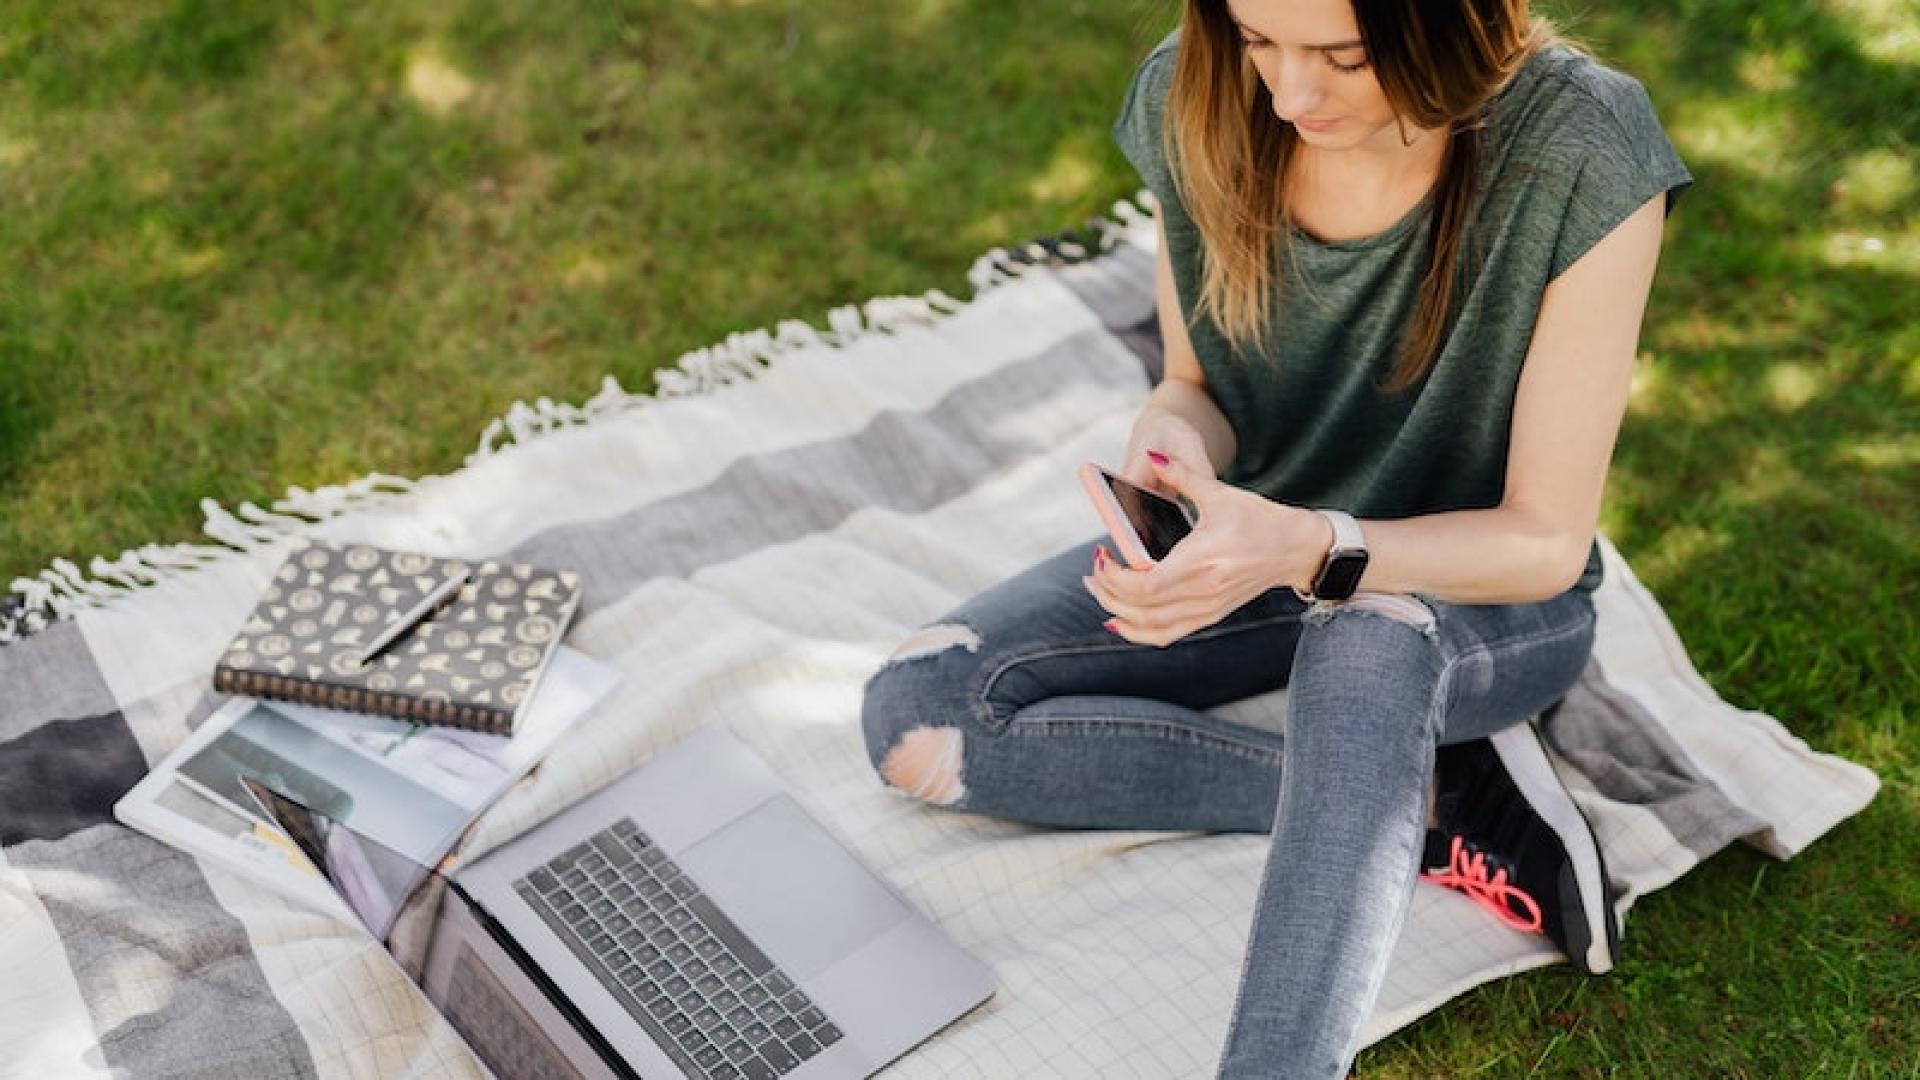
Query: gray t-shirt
(1572, 148)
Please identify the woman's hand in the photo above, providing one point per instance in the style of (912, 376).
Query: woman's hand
(1170, 434)
(1244, 545)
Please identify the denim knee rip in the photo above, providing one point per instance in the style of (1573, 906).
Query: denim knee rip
(929, 640)
(931, 768)
(920, 764)
(1401, 607)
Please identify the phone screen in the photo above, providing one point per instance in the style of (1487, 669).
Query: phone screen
(1157, 519)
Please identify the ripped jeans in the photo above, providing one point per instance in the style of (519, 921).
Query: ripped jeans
(1041, 715)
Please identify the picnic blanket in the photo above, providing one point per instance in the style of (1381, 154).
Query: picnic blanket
(755, 538)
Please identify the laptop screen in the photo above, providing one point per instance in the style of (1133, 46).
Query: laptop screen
(373, 879)
(485, 989)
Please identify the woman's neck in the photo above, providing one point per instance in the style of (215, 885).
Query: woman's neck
(1378, 167)
(1404, 149)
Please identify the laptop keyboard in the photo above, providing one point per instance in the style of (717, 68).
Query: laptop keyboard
(712, 1000)
(500, 1031)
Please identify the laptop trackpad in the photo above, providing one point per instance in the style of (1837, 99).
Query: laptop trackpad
(790, 886)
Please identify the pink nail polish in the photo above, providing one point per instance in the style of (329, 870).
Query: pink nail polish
(1100, 557)
(1156, 457)
(1109, 626)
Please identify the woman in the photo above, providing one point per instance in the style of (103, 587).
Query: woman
(1405, 249)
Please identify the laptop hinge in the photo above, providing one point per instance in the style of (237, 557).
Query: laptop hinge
(555, 997)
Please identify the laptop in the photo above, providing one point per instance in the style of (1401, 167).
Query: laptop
(689, 920)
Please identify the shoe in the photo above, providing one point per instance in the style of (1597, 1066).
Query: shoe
(1512, 839)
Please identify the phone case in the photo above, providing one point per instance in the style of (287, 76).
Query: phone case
(1131, 548)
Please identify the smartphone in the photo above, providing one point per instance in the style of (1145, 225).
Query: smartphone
(1144, 526)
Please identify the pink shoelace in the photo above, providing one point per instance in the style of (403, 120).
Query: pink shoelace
(1468, 873)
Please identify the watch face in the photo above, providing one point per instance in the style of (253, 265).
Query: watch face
(1341, 576)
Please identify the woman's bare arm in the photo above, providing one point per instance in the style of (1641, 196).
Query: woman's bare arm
(1182, 392)
(1566, 417)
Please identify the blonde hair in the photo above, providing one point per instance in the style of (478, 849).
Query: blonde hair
(1439, 65)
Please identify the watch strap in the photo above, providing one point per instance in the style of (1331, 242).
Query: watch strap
(1346, 531)
(1349, 547)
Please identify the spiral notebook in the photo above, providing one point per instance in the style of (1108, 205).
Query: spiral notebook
(473, 663)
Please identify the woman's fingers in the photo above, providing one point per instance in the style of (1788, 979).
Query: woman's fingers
(1159, 637)
(1146, 616)
(1122, 588)
(1139, 473)
(1167, 434)
(1142, 590)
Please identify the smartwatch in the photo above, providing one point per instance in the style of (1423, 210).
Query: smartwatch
(1346, 560)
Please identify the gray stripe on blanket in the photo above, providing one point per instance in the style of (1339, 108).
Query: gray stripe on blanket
(908, 462)
(1118, 287)
(47, 676)
(169, 977)
(66, 755)
(1612, 739)
(65, 775)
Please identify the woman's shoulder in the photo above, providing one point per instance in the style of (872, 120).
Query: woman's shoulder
(1147, 92)
(1576, 148)
(1567, 102)
(1160, 59)
(1137, 128)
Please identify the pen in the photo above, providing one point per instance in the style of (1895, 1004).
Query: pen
(400, 627)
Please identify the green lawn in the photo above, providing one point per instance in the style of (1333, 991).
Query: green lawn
(246, 245)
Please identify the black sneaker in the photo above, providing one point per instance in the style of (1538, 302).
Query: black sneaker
(1511, 838)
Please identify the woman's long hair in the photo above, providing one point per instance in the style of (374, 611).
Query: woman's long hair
(1439, 65)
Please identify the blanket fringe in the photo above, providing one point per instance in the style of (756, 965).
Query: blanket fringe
(63, 588)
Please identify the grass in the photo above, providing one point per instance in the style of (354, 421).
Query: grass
(250, 245)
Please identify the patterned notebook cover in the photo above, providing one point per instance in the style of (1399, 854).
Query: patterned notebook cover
(472, 664)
